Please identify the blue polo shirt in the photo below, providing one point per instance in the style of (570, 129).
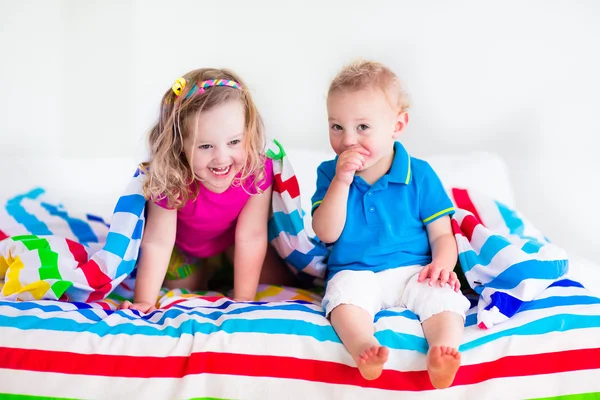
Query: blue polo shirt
(385, 222)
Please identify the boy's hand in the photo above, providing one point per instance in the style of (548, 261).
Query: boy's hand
(348, 163)
(436, 272)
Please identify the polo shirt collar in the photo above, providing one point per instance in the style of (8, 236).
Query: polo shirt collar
(400, 171)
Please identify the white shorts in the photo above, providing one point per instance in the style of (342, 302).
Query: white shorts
(395, 287)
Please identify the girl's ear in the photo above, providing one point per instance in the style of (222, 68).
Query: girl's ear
(401, 122)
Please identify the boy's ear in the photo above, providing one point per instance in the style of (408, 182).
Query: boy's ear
(401, 122)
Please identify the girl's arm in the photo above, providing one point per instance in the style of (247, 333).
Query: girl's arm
(250, 245)
(155, 252)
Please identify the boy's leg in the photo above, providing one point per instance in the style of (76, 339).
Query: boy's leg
(443, 333)
(442, 312)
(355, 328)
(351, 300)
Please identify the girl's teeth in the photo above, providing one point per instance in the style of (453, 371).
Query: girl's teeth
(220, 171)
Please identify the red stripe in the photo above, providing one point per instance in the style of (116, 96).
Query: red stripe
(78, 252)
(456, 227)
(98, 280)
(290, 186)
(463, 200)
(467, 226)
(287, 367)
(3, 235)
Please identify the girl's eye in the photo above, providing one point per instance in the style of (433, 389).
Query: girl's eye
(336, 127)
(204, 146)
(234, 142)
(363, 127)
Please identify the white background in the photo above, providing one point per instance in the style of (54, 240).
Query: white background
(84, 79)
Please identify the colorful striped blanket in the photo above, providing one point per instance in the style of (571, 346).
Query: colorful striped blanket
(46, 253)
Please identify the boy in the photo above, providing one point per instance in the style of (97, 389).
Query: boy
(388, 217)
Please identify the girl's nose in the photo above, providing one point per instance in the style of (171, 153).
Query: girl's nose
(222, 155)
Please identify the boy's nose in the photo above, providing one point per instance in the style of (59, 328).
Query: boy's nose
(349, 140)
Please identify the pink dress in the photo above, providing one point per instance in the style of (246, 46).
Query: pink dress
(206, 226)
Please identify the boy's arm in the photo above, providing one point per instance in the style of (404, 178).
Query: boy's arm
(444, 254)
(330, 216)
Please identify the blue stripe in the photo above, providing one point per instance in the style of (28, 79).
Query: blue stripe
(506, 304)
(29, 221)
(96, 218)
(554, 323)
(567, 283)
(491, 247)
(291, 223)
(532, 247)
(394, 340)
(133, 203)
(139, 229)
(116, 243)
(529, 269)
(516, 226)
(391, 313)
(81, 229)
(125, 267)
(549, 302)
(512, 221)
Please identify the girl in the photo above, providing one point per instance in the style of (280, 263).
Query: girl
(208, 187)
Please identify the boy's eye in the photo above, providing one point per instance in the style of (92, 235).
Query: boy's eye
(336, 127)
(234, 142)
(204, 146)
(363, 127)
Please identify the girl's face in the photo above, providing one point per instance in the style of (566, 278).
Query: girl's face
(215, 149)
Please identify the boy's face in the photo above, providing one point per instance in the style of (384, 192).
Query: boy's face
(364, 119)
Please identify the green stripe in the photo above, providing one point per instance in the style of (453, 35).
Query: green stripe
(208, 398)
(10, 396)
(447, 210)
(271, 154)
(580, 396)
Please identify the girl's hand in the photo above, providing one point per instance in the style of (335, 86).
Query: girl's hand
(348, 163)
(242, 299)
(142, 307)
(436, 272)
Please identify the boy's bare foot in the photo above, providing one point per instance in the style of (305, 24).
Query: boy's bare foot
(370, 361)
(442, 364)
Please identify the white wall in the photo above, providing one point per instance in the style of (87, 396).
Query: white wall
(518, 78)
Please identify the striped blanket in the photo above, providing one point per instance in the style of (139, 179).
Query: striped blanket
(205, 346)
(210, 347)
(49, 254)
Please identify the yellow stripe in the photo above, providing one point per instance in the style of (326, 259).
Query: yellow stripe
(12, 284)
(270, 291)
(408, 175)
(438, 214)
(316, 203)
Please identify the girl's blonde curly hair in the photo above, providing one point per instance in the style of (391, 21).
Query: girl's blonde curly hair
(170, 175)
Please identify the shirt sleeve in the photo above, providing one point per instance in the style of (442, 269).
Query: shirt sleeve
(268, 179)
(324, 177)
(265, 182)
(434, 202)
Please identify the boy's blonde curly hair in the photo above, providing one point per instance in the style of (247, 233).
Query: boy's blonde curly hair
(170, 175)
(363, 74)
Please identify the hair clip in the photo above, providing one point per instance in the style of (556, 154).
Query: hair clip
(178, 86)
